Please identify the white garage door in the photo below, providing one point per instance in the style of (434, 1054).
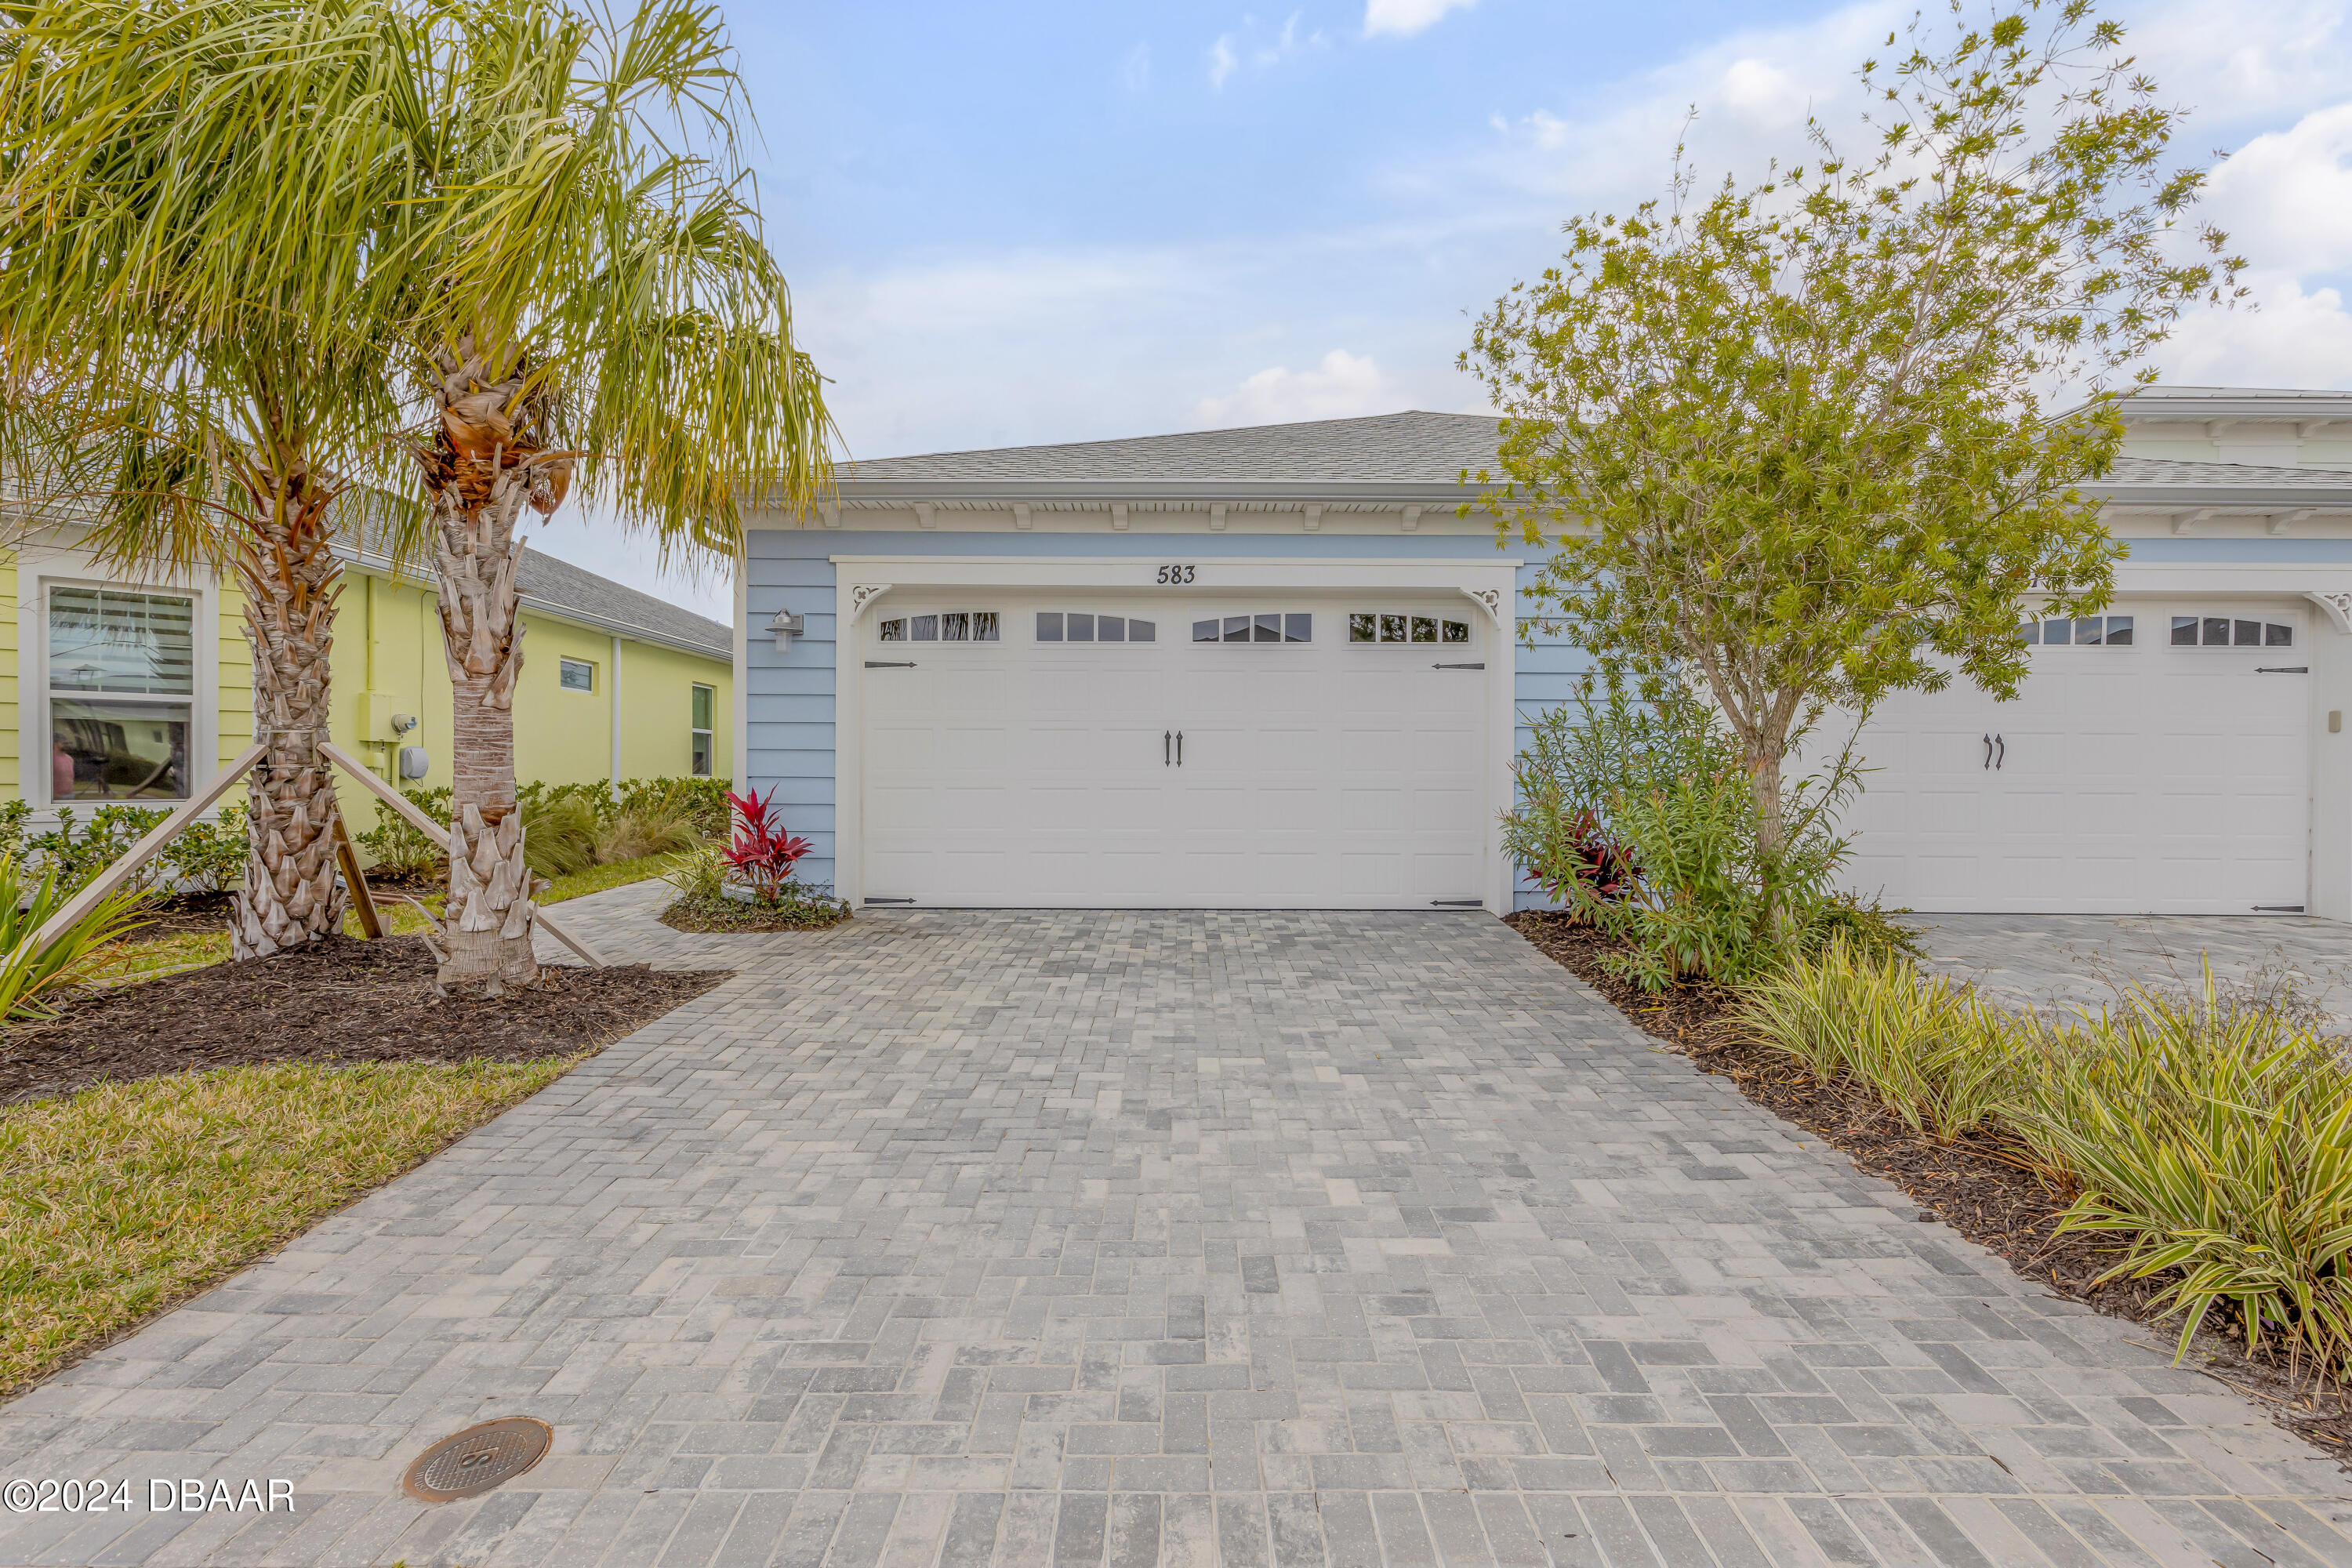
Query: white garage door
(2155, 763)
(1094, 751)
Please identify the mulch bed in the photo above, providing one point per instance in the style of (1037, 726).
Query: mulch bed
(1975, 1184)
(729, 915)
(337, 1001)
(183, 913)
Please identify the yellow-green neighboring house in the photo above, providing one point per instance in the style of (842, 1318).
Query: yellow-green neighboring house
(139, 691)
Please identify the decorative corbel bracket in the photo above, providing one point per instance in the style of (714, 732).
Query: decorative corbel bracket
(2338, 607)
(863, 594)
(1491, 601)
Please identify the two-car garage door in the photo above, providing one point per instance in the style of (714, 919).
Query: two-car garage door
(1095, 750)
(2155, 761)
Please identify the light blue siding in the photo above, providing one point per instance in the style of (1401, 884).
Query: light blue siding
(791, 695)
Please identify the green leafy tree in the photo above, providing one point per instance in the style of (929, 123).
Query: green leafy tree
(268, 265)
(1795, 441)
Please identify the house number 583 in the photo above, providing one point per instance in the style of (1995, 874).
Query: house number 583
(1175, 575)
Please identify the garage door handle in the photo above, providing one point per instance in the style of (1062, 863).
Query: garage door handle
(2281, 669)
(2002, 741)
(1988, 762)
(889, 664)
(1163, 747)
(1478, 666)
(1180, 748)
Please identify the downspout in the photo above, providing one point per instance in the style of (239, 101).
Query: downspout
(616, 713)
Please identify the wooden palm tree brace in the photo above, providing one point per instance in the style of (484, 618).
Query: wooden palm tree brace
(139, 854)
(437, 835)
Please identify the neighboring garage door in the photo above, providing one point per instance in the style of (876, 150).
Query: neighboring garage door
(2156, 762)
(1094, 751)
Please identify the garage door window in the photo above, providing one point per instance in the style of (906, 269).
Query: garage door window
(2229, 631)
(953, 625)
(2081, 631)
(1280, 628)
(1378, 626)
(1079, 625)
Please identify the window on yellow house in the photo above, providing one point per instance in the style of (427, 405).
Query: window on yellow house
(122, 683)
(577, 675)
(706, 704)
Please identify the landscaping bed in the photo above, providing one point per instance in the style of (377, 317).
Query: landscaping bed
(339, 1001)
(1975, 1183)
(697, 912)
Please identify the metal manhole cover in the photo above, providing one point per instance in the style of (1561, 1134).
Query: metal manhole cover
(477, 1458)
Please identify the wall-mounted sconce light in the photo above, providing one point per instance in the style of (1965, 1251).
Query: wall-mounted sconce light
(786, 626)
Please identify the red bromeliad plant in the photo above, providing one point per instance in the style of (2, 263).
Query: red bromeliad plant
(762, 853)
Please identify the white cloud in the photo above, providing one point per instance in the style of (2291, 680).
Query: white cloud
(1343, 385)
(1259, 48)
(2229, 62)
(2297, 338)
(2286, 198)
(1135, 69)
(1405, 17)
(1222, 61)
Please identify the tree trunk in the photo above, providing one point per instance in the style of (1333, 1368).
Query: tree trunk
(1764, 771)
(290, 578)
(482, 473)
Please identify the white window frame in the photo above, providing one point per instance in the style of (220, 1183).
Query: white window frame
(709, 737)
(34, 779)
(562, 662)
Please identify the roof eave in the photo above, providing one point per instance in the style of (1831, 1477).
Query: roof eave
(2331, 497)
(1067, 491)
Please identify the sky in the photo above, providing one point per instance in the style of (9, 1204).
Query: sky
(1018, 223)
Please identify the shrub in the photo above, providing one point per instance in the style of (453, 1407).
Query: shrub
(699, 873)
(2216, 1141)
(702, 802)
(1929, 1050)
(1640, 819)
(209, 857)
(28, 974)
(558, 832)
(2213, 1139)
(14, 817)
(396, 849)
(74, 854)
(654, 823)
(762, 852)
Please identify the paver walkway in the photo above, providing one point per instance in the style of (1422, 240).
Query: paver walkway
(1132, 1238)
(2073, 962)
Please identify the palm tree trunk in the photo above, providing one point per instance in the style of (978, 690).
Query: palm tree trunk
(290, 578)
(482, 474)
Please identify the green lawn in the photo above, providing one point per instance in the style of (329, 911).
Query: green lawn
(122, 1199)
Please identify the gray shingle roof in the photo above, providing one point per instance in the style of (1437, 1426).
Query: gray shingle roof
(2181, 471)
(1414, 448)
(1416, 451)
(560, 586)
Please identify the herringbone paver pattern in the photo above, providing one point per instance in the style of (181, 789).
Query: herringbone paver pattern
(1099, 1238)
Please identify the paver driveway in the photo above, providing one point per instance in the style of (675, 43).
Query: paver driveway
(1079, 1239)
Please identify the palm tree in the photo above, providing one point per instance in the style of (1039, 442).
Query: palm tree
(252, 249)
(597, 304)
(192, 340)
